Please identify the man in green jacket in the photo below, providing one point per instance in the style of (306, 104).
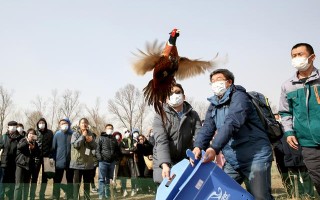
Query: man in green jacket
(299, 109)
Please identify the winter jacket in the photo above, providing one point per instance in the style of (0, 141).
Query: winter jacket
(82, 152)
(127, 166)
(299, 109)
(45, 138)
(240, 133)
(107, 148)
(61, 147)
(174, 138)
(25, 156)
(9, 143)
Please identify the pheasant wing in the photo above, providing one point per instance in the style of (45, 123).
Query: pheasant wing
(146, 60)
(188, 68)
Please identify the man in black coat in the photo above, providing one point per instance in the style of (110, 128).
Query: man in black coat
(8, 144)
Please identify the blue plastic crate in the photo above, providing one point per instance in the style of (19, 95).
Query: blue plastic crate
(169, 189)
(203, 181)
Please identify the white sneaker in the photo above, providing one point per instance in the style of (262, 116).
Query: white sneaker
(125, 193)
(133, 192)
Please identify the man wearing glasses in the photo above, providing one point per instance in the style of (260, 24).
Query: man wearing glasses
(239, 134)
(175, 135)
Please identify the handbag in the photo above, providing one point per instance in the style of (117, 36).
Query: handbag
(49, 167)
(149, 161)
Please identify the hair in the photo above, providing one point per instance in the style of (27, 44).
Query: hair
(226, 73)
(20, 125)
(31, 130)
(109, 125)
(308, 47)
(85, 119)
(179, 86)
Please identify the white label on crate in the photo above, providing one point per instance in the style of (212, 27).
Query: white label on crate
(199, 184)
(219, 195)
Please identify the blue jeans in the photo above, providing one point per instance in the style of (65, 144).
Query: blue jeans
(258, 177)
(106, 170)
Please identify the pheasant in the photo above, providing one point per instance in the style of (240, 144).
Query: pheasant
(166, 65)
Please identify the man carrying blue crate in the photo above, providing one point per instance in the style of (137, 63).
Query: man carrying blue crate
(241, 135)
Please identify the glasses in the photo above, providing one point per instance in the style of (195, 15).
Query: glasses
(176, 92)
(213, 81)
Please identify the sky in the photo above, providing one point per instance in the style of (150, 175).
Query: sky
(87, 45)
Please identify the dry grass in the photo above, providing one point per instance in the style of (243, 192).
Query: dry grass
(278, 190)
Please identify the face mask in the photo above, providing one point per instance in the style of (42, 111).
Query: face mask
(20, 129)
(175, 100)
(135, 135)
(41, 126)
(64, 127)
(117, 137)
(219, 88)
(126, 135)
(12, 128)
(300, 63)
(151, 133)
(109, 131)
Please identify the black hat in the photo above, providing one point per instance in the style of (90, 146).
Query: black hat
(12, 123)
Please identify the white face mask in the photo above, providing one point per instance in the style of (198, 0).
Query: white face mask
(12, 128)
(135, 135)
(219, 88)
(117, 137)
(300, 63)
(20, 129)
(175, 100)
(64, 127)
(41, 126)
(109, 131)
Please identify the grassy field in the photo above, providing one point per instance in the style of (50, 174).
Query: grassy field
(278, 190)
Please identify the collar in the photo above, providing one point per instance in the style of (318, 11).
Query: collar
(216, 101)
(313, 76)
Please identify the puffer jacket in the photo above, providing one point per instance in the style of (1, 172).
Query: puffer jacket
(9, 143)
(240, 133)
(174, 138)
(299, 109)
(107, 148)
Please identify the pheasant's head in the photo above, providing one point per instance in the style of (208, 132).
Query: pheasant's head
(175, 33)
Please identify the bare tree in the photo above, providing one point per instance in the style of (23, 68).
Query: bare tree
(127, 106)
(200, 106)
(5, 104)
(32, 118)
(95, 118)
(70, 105)
(55, 111)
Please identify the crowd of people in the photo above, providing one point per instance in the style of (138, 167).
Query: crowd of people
(231, 134)
(75, 154)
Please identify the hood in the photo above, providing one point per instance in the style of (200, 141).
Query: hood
(45, 122)
(68, 121)
(117, 133)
